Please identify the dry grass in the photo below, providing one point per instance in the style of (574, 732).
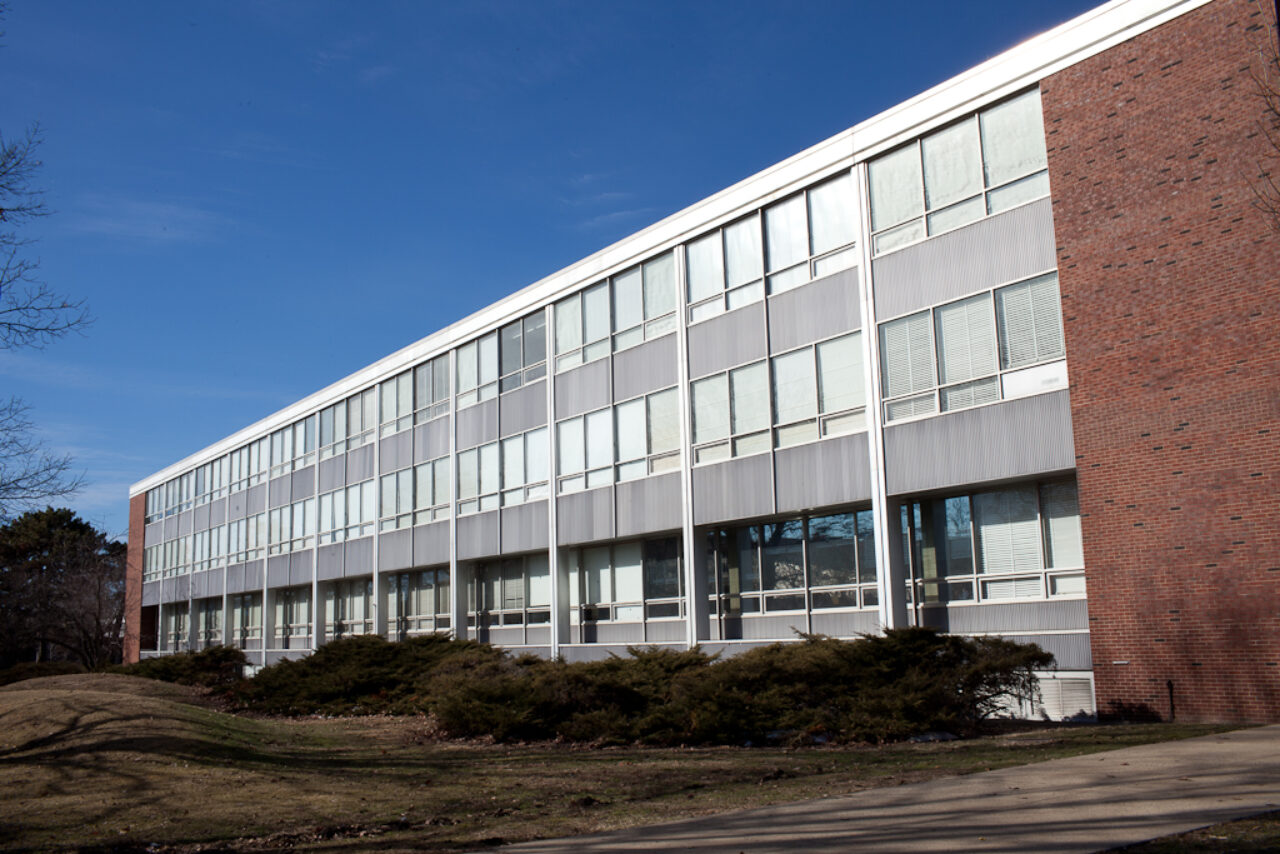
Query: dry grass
(119, 763)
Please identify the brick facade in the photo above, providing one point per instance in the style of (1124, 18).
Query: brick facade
(133, 579)
(1171, 303)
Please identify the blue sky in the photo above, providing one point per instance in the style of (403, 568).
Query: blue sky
(259, 198)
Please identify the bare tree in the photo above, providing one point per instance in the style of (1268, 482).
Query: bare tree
(29, 474)
(1265, 73)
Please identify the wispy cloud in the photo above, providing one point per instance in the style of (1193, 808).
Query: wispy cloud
(375, 73)
(141, 220)
(255, 147)
(612, 217)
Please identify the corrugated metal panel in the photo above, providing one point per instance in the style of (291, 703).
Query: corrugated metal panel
(300, 567)
(396, 451)
(235, 578)
(649, 367)
(1001, 248)
(1015, 438)
(730, 339)
(523, 409)
(648, 505)
(329, 561)
(500, 636)
(278, 491)
(431, 440)
(332, 474)
(278, 571)
(176, 589)
(820, 309)
(665, 631)
(1018, 617)
(200, 585)
(821, 474)
(845, 624)
(151, 593)
(184, 523)
(304, 483)
(200, 518)
(477, 424)
(395, 550)
(585, 516)
(431, 544)
(592, 653)
(524, 527)
(255, 499)
(736, 489)
(170, 527)
(359, 558)
(582, 389)
(540, 635)
(153, 534)
(619, 632)
(360, 464)
(478, 535)
(1070, 652)
(781, 627)
(217, 512)
(253, 574)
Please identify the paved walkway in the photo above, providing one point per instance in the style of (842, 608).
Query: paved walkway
(1083, 804)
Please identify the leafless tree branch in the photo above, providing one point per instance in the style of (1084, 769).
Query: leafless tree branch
(29, 474)
(1265, 74)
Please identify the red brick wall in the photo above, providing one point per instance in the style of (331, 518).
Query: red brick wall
(133, 578)
(1171, 303)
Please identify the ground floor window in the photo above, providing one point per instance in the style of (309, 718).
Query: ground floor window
(815, 562)
(347, 608)
(292, 616)
(510, 592)
(244, 619)
(626, 582)
(417, 602)
(174, 630)
(208, 622)
(1015, 542)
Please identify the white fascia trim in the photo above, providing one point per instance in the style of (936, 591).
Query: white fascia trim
(1034, 59)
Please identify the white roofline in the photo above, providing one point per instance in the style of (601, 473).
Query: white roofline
(1004, 74)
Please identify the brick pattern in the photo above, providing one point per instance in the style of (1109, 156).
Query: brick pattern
(133, 579)
(1171, 303)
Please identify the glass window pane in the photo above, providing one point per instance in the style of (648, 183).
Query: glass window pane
(710, 409)
(423, 490)
(535, 455)
(467, 375)
(538, 570)
(742, 255)
(422, 385)
(599, 428)
(660, 286)
(628, 572)
(866, 547)
(831, 214)
(959, 539)
(1061, 525)
(1030, 322)
(705, 267)
(840, 381)
(489, 468)
(388, 494)
(573, 449)
(782, 565)
(906, 355)
(952, 168)
(513, 462)
(895, 186)
(786, 233)
(488, 358)
(966, 339)
(440, 479)
(512, 347)
(749, 387)
(832, 550)
(569, 324)
(440, 378)
(1008, 529)
(628, 303)
(1013, 139)
(795, 387)
(468, 474)
(595, 313)
(661, 568)
(597, 576)
(535, 339)
(664, 422)
(631, 430)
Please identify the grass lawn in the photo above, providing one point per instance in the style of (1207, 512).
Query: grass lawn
(1244, 836)
(119, 763)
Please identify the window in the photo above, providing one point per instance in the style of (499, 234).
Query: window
(510, 592)
(983, 164)
(626, 582)
(822, 380)
(996, 345)
(731, 413)
(415, 496)
(647, 435)
(292, 527)
(347, 513)
(1017, 542)
(293, 447)
(246, 538)
(816, 562)
(292, 612)
(418, 603)
(431, 389)
(585, 451)
(523, 348)
(397, 403)
(636, 305)
(525, 467)
(348, 424)
(175, 626)
(347, 608)
(248, 465)
(478, 370)
(479, 476)
(154, 505)
(244, 619)
(208, 622)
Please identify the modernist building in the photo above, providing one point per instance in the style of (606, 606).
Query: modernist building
(1001, 360)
